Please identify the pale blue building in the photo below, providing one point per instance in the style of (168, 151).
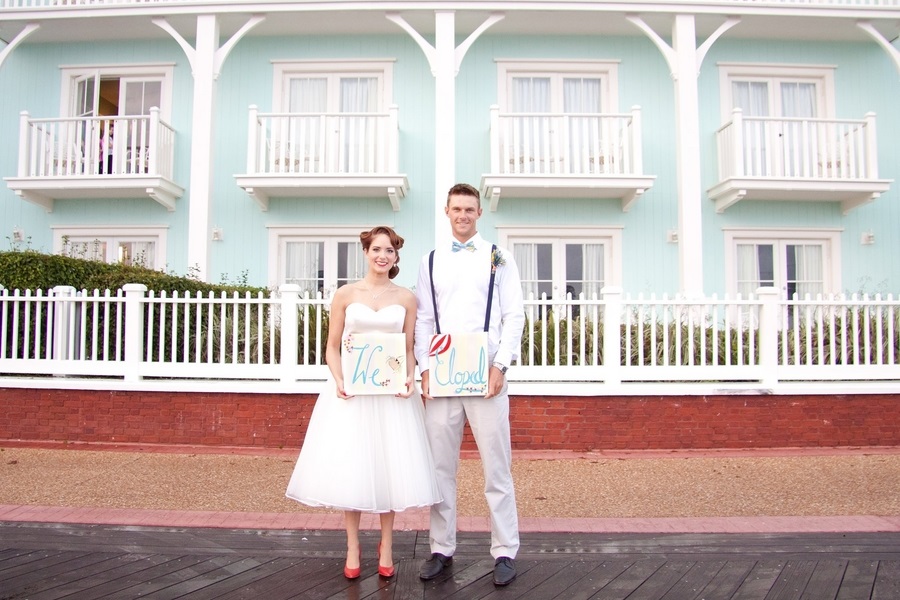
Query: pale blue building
(709, 147)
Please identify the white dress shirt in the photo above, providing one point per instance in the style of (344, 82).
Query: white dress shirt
(461, 285)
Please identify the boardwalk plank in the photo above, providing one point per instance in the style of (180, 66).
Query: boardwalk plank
(887, 581)
(407, 585)
(563, 579)
(87, 562)
(694, 581)
(760, 580)
(155, 566)
(630, 579)
(225, 580)
(465, 579)
(859, 579)
(47, 577)
(792, 580)
(276, 585)
(825, 580)
(597, 579)
(728, 580)
(189, 578)
(662, 580)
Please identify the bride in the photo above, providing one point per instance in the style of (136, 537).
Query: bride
(368, 453)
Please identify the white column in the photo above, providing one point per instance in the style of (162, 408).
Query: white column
(444, 118)
(204, 66)
(687, 151)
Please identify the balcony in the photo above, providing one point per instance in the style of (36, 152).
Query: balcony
(64, 158)
(314, 155)
(576, 155)
(824, 160)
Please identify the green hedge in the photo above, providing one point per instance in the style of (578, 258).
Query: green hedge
(29, 270)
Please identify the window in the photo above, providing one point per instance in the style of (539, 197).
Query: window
(106, 110)
(557, 116)
(335, 114)
(558, 87)
(582, 260)
(778, 103)
(317, 261)
(795, 261)
(122, 90)
(138, 246)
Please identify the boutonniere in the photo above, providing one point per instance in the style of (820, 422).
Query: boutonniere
(497, 260)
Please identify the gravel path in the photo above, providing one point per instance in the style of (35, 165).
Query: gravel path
(794, 485)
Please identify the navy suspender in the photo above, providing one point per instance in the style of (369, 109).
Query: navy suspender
(490, 299)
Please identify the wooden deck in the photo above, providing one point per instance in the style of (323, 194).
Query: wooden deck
(43, 561)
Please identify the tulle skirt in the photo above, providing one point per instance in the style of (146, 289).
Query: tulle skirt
(368, 453)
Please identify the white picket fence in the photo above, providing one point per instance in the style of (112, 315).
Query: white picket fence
(132, 339)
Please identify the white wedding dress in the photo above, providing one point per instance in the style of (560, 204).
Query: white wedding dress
(366, 453)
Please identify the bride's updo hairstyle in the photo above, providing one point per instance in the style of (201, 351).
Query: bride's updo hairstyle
(366, 238)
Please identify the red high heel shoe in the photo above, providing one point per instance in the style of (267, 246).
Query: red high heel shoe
(353, 573)
(386, 572)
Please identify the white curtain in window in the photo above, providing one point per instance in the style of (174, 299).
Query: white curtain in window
(810, 270)
(302, 265)
(297, 139)
(592, 270)
(525, 138)
(747, 269)
(530, 94)
(355, 267)
(582, 95)
(800, 138)
(358, 133)
(752, 97)
(525, 256)
(308, 94)
(143, 254)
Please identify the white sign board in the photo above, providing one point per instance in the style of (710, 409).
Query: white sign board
(374, 363)
(458, 364)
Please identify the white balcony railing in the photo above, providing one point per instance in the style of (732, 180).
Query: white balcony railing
(798, 148)
(76, 147)
(150, 341)
(323, 143)
(566, 144)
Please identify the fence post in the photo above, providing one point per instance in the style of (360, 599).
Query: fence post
(63, 313)
(768, 335)
(290, 331)
(134, 329)
(612, 334)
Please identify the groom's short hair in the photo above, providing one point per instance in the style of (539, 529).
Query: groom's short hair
(463, 189)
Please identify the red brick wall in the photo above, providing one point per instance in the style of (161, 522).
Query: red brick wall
(559, 423)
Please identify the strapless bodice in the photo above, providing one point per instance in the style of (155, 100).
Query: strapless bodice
(359, 318)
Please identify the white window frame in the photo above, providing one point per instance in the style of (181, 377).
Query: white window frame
(830, 238)
(163, 71)
(282, 234)
(821, 75)
(112, 234)
(284, 70)
(605, 70)
(609, 236)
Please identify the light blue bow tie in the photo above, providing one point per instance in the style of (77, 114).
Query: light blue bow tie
(467, 246)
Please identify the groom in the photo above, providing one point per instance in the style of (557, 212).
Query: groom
(461, 279)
